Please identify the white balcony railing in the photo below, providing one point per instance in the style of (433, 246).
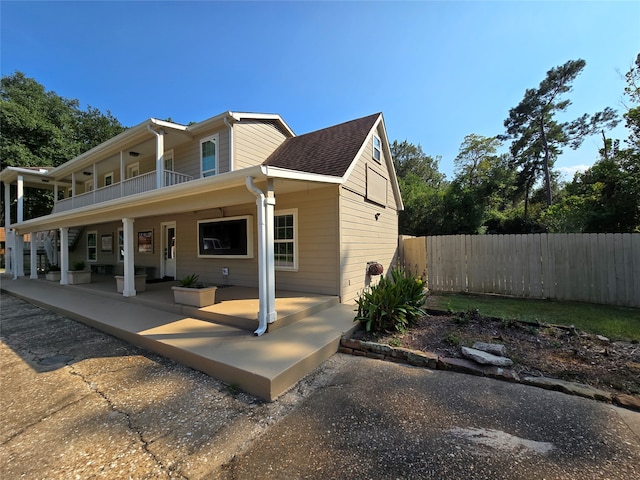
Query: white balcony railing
(131, 186)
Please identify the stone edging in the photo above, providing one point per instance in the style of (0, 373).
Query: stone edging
(379, 351)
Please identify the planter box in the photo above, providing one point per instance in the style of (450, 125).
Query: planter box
(140, 283)
(76, 277)
(196, 297)
(52, 276)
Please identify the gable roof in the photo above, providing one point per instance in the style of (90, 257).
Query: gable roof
(329, 151)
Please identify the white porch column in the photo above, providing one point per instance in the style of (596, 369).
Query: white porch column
(159, 156)
(270, 202)
(34, 257)
(64, 256)
(8, 250)
(18, 257)
(20, 215)
(129, 268)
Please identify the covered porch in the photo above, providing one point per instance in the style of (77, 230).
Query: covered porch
(216, 340)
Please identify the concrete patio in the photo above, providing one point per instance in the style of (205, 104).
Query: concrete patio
(218, 339)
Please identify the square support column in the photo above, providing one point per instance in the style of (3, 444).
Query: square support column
(18, 257)
(34, 257)
(64, 256)
(129, 268)
(270, 202)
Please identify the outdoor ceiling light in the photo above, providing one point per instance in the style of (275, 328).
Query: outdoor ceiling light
(134, 154)
(88, 174)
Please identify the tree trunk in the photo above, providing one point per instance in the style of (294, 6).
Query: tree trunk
(545, 163)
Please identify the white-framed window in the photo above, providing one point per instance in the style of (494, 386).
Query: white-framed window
(209, 156)
(120, 245)
(285, 239)
(377, 149)
(92, 246)
(168, 160)
(88, 186)
(108, 179)
(133, 170)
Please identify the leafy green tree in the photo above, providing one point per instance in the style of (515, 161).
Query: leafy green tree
(43, 129)
(421, 185)
(538, 138)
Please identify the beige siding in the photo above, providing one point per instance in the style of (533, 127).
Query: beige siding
(318, 261)
(254, 142)
(187, 156)
(357, 181)
(364, 239)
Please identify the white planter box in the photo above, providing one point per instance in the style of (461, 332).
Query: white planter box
(76, 277)
(196, 297)
(52, 276)
(140, 283)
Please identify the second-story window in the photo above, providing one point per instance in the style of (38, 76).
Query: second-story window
(377, 149)
(209, 156)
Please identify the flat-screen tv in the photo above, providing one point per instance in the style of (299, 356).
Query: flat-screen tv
(230, 237)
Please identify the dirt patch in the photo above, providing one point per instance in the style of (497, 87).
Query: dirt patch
(536, 350)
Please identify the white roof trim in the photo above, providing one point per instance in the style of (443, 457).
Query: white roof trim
(277, 172)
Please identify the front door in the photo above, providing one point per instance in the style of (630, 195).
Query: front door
(169, 250)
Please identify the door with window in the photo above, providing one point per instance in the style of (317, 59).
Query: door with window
(169, 250)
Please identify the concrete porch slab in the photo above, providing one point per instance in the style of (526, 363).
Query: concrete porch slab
(264, 366)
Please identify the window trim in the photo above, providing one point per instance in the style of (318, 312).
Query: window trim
(214, 171)
(108, 175)
(132, 167)
(88, 186)
(377, 149)
(95, 247)
(295, 241)
(169, 153)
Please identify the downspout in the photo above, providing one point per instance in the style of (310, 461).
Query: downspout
(262, 251)
(159, 156)
(230, 143)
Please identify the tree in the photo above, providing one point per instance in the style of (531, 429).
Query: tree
(475, 159)
(42, 129)
(538, 138)
(421, 185)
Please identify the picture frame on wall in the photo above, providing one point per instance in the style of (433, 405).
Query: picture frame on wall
(145, 241)
(106, 243)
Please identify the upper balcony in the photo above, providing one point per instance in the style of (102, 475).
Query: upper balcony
(131, 186)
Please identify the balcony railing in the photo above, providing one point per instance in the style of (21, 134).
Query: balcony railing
(131, 186)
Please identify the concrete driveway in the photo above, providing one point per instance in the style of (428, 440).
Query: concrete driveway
(78, 403)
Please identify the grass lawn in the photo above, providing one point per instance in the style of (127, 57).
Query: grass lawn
(616, 323)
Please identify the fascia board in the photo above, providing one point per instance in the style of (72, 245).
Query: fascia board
(276, 172)
(390, 167)
(11, 174)
(354, 160)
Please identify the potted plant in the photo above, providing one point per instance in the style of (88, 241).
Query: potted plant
(193, 292)
(78, 274)
(52, 273)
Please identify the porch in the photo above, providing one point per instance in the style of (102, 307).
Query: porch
(216, 340)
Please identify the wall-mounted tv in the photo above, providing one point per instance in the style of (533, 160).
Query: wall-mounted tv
(230, 237)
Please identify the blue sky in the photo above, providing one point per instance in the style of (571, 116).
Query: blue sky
(437, 70)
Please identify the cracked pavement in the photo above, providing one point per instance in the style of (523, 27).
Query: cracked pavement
(78, 403)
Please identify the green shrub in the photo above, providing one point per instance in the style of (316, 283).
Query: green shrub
(190, 281)
(79, 266)
(393, 304)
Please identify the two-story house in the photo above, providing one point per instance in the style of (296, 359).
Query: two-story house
(237, 199)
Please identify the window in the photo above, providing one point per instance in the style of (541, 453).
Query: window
(229, 237)
(92, 246)
(285, 240)
(133, 170)
(108, 179)
(88, 186)
(168, 160)
(120, 245)
(209, 156)
(377, 149)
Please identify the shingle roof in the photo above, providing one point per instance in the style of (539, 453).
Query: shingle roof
(329, 151)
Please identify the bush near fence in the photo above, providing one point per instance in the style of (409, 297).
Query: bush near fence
(596, 268)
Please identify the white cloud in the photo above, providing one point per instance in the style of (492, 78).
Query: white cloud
(569, 172)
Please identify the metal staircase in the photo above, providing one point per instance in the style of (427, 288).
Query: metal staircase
(47, 243)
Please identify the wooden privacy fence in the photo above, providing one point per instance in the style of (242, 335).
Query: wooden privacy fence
(596, 268)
